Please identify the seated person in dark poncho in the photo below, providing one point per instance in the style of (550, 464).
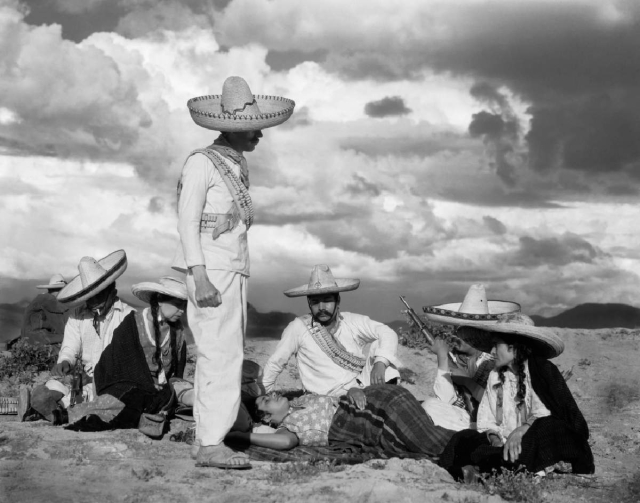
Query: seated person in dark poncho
(528, 416)
(383, 416)
(147, 350)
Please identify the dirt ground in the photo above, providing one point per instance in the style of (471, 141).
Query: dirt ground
(43, 463)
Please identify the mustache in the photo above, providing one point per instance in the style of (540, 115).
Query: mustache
(321, 312)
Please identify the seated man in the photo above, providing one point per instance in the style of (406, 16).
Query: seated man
(45, 317)
(330, 346)
(88, 331)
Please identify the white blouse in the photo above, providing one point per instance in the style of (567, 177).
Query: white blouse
(512, 417)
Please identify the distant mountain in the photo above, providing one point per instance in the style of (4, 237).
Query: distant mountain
(398, 325)
(259, 325)
(591, 316)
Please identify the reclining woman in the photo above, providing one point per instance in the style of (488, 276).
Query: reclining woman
(148, 350)
(528, 416)
(381, 416)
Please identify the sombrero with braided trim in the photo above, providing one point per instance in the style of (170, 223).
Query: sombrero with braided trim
(238, 109)
(95, 276)
(56, 282)
(488, 318)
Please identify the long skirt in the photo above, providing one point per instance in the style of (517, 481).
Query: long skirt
(548, 441)
(393, 420)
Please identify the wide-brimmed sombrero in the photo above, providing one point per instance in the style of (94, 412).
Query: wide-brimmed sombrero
(475, 308)
(56, 282)
(499, 316)
(238, 109)
(514, 328)
(322, 281)
(95, 276)
(167, 285)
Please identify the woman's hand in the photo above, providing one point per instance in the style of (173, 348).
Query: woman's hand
(357, 396)
(441, 349)
(207, 295)
(377, 373)
(513, 446)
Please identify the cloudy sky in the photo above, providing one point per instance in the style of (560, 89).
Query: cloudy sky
(434, 144)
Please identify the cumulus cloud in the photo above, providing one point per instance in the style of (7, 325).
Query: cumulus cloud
(388, 106)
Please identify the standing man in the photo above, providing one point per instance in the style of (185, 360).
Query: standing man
(89, 329)
(214, 214)
(330, 345)
(45, 317)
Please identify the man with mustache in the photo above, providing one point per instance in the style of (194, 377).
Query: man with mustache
(330, 345)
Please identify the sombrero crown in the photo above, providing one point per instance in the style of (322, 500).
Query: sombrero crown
(238, 109)
(95, 276)
(322, 281)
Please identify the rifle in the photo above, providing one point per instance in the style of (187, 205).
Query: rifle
(422, 327)
(76, 383)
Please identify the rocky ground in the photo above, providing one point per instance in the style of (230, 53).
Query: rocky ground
(40, 462)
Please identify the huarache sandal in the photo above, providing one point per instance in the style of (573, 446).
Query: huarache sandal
(224, 466)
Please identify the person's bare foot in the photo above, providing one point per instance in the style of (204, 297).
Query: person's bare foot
(221, 456)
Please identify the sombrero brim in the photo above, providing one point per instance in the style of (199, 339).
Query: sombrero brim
(74, 294)
(542, 341)
(449, 314)
(342, 285)
(52, 286)
(145, 290)
(206, 112)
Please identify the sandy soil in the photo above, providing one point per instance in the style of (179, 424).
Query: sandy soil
(40, 462)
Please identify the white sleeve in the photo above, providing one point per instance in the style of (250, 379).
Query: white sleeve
(195, 180)
(387, 347)
(288, 346)
(72, 341)
(443, 387)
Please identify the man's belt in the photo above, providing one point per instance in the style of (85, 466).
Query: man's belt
(218, 222)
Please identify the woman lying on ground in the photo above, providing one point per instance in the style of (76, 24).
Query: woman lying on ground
(527, 416)
(147, 350)
(382, 416)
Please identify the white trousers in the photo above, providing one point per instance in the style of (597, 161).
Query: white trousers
(219, 336)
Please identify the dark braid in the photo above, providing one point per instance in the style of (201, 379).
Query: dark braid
(522, 354)
(157, 356)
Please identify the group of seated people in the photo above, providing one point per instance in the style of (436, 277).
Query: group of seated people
(499, 401)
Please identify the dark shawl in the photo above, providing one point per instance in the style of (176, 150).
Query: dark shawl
(562, 436)
(122, 370)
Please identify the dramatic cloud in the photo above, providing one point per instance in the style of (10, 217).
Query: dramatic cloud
(494, 225)
(554, 251)
(386, 107)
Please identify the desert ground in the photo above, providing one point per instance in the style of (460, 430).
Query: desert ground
(40, 462)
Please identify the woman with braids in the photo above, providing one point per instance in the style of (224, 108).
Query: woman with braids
(148, 350)
(527, 417)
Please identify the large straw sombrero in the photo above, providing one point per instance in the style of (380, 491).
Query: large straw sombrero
(474, 310)
(514, 328)
(321, 282)
(56, 282)
(237, 109)
(167, 285)
(95, 276)
(499, 316)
